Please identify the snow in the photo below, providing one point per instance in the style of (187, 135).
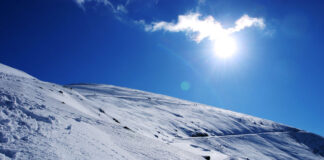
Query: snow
(6, 70)
(41, 120)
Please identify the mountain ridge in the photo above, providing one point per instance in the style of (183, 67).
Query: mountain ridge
(95, 121)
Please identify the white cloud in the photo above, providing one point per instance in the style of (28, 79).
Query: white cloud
(246, 21)
(200, 28)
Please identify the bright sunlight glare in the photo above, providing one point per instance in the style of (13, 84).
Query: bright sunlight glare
(225, 47)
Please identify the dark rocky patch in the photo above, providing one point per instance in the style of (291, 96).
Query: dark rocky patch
(116, 120)
(101, 110)
(125, 127)
(199, 134)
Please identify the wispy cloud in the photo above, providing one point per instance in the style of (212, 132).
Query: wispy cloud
(117, 9)
(199, 28)
(121, 8)
(201, 2)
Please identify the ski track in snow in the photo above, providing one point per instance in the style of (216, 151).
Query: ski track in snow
(41, 120)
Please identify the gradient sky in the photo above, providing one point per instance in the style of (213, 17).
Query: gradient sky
(276, 73)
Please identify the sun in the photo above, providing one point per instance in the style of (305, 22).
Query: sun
(225, 47)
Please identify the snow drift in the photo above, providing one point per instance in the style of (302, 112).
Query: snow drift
(41, 120)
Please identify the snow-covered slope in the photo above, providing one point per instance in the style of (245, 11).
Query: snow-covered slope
(40, 120)
(6, 70)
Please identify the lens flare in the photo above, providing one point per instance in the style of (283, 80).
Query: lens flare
(185, 86)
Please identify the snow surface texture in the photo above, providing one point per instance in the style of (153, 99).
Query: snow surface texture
(40, 120)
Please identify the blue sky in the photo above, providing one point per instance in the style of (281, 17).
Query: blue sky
(275, 73)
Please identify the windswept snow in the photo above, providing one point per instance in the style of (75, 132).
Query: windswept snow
(9, 71)
(40, 120)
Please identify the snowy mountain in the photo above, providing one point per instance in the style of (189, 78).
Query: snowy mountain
(41, 120)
